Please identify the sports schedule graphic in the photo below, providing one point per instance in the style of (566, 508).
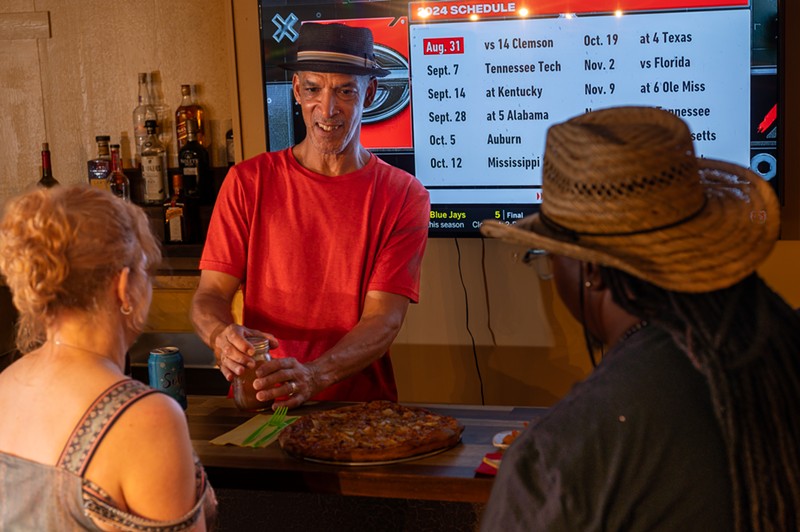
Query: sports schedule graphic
(475, 84)
(487, 83)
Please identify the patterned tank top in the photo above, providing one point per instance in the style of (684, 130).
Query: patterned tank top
(35, 496)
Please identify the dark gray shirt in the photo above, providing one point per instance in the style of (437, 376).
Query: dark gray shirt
(635, 446)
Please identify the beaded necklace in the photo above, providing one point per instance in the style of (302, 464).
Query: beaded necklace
(633, 330)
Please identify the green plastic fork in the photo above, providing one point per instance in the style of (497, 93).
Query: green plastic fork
(276, 420)
(270, 434)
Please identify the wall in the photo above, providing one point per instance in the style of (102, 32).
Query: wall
(74, 76)
(527, 348)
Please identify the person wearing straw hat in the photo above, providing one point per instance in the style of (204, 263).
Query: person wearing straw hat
(686, 421)
(324, 239)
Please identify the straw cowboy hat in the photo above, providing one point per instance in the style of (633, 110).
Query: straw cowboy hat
(335, 48)
(622, 187)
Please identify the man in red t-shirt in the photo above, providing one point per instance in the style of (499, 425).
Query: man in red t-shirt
(324, 239)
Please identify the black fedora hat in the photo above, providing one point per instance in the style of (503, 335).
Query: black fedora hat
(335, 48)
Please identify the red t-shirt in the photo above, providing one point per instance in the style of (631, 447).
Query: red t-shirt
(308, 247)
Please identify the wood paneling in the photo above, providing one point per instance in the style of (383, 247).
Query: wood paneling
(79, 78)
(34, 25)
(22, 129)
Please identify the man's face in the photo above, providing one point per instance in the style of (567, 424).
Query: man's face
(332, 106)
(569, 284)
(566, 275)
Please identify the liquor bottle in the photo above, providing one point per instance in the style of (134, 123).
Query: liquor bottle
(177, 228)
(154, 167)
(47, 180)
(100, 167)
(165, 116)
(117, 180)
(194, 166)
(143, 112)
(189, 110)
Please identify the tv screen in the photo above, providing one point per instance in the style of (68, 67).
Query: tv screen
(474, 85)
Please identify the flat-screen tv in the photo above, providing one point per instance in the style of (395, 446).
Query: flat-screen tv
(475, 84)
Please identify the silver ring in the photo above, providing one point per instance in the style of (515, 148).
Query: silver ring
(292, 388)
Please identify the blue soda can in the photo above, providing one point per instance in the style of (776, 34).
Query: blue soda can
(165, 369)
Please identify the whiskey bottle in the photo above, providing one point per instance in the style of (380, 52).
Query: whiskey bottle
(177, 229)
(47, 180)
(100, 167)
(154, 167)
(195, 168)
(143, 112)
(118, 182)
(186, 111)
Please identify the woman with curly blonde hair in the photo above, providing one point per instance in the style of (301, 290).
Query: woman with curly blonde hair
(82, 446)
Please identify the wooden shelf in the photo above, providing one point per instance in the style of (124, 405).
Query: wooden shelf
(180, 259)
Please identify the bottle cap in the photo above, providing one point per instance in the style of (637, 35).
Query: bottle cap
(259, 342)
(101, 138)
(150, 124)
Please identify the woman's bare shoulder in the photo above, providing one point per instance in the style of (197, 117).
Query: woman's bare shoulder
(157, 416)
(147, 459)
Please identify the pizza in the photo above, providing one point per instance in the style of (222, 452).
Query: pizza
(375, 431)
(509, 438)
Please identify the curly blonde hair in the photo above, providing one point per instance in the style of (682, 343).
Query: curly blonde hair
(61, 247)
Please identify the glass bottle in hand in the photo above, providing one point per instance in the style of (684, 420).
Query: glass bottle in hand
(244, 395)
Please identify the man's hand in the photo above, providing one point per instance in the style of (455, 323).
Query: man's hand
(232, 351)
(214, 323)
(287, 381)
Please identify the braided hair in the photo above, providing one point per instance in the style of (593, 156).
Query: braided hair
(745, 340)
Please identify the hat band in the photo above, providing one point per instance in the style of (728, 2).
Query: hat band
(335, 57)
(575, 235)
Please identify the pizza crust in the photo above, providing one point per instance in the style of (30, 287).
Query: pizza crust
(376, 431)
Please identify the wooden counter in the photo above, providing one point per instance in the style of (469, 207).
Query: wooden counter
(448, 476)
